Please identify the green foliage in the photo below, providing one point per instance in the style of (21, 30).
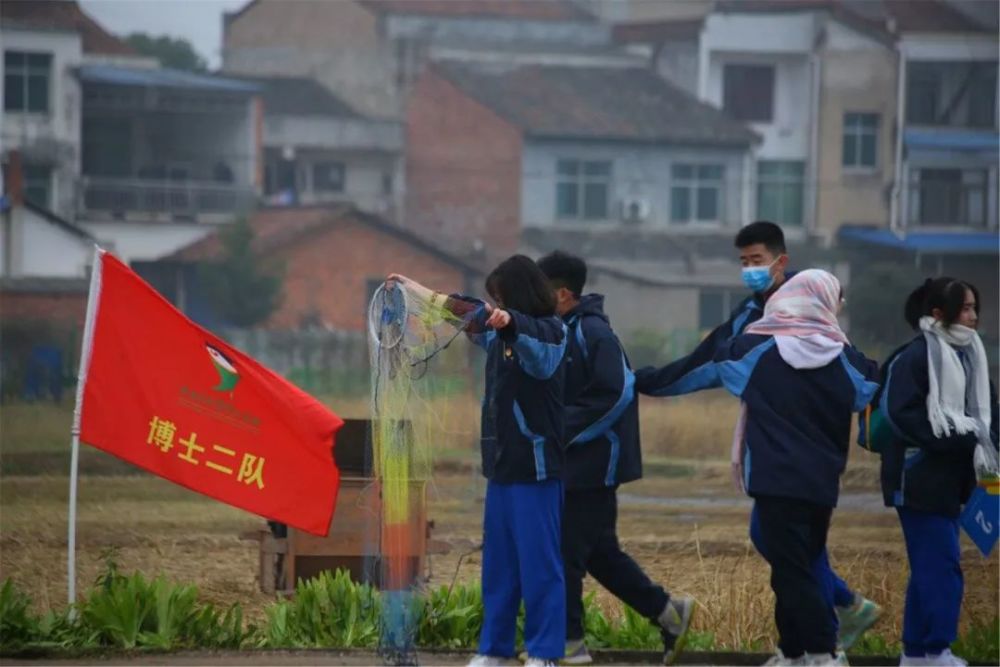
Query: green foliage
(327, 611)
(171, 52)
(981, 643)
(243, 288)
(17, 626)
(451, 618)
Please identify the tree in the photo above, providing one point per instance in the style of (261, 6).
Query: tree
(171, 52)
(243, 288)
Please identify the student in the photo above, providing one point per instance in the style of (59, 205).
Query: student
(800, 381)
(602, 435)
(942, 412)
(522, 456)
(764, 258)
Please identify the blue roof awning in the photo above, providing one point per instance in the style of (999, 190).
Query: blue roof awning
(951, 139)
(162, 78)
(935, 243)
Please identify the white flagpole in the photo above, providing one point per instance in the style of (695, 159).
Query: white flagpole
(93, 296)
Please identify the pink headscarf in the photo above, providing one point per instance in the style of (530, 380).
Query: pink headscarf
(805, 305)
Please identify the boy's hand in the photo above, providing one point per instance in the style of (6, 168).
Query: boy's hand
(498, 319)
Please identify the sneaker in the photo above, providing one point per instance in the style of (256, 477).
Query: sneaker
(779, 660)
(945, 657)
(486, 661)
(855, 620)
(675, 621)
(577, 653)
(820, 660)
(539, 662)
(912, 661)
(841, 658)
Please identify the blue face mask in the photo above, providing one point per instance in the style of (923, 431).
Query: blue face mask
(758, 278)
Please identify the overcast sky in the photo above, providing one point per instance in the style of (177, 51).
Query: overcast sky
(198, 21)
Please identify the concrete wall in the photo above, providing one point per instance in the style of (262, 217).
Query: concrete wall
(132, 241)
(42, 248)
(476, 30)
(677, 62)
(858, 75)
(52, 138)
(638, 171)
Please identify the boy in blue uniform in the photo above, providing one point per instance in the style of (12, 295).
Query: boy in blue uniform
(522, 457)
(602, 435)
(942, 410)
(800, 381)
(764, 258)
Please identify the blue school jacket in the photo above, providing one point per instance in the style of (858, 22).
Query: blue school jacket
(602, 413)
(523, 420)
(920, 471)
(698, 370)
(798, 421)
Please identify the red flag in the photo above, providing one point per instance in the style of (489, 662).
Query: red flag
(164, 394)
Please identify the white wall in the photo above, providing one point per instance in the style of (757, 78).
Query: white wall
(642, 171)
(139, 242)
(44, 249)
(56, 133)
(332, 133)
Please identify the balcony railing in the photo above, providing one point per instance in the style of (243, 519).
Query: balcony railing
(174, 198)
(948, 204)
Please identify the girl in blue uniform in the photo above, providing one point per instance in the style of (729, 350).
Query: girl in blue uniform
(942, 411)
(522, 457)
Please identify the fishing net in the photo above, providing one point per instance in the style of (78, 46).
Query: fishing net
(419, 369)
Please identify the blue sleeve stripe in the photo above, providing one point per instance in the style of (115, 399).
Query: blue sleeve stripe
(609, 478)
(736, 374)
(604, 424)
(581, 340)
(740, 322)
(537, 441)
(864, 390)
(540, 359)
(705, 376)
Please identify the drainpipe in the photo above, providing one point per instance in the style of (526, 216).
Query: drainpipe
(897, 208)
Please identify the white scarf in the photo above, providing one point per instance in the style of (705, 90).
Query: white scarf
(957, 403)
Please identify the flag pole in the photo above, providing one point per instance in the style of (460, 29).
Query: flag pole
(93, 295)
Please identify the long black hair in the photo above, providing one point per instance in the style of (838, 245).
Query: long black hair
(946, 294)
(518, 284)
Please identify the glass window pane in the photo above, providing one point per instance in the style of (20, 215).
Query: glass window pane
(680, 204)
(568, 167)
(682, 171)
(850, 121)
(595, 201)
(38, 93)
(794, 169)
(850, 150)
(13, 59)
(792, 205)
(708, 203)
(768, 168)
(597, 168)
(13, 92)
(867, 150)
(768, 202)
(710, 172)
(869, 121)
(975, 206)
(328, 176)
(566, 200)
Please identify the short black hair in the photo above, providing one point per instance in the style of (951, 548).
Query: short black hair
(520, 285)
(944, 293)
(764, 232)
(565, 270)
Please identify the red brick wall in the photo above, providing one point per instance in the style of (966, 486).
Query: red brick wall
(33, 307)
(463, 170)
(327, 273)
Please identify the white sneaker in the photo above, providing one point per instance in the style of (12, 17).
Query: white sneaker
(820, 660)
(945, 657)
(842, 658)
(779, 660)
(486, 661)
(912, 661)
(539, 662)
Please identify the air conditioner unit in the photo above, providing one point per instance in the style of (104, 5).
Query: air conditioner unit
(635, 209)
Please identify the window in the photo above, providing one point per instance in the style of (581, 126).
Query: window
(748, 92)
(956, 94)
(948, 197)
(715, 306)
(328, 177)
(780, 187)
(860, 140)
(26, 81)
(696, 193)
(38, 185)
(583, 190)
(387, 183)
